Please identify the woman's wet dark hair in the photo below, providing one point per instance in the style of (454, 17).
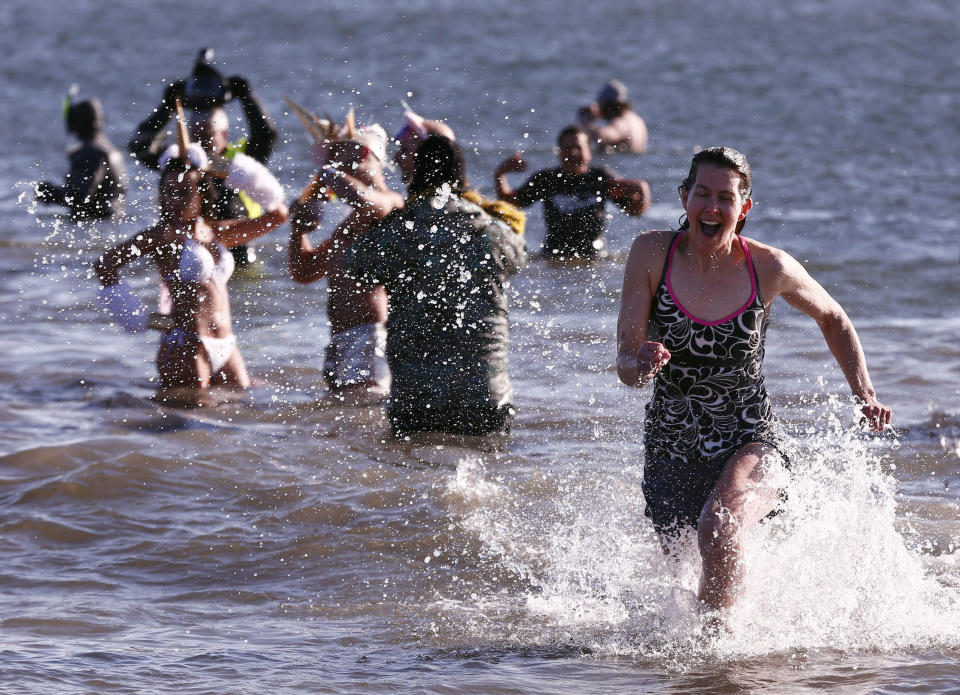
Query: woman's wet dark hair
(438, 161)
(725, 158)
(179, 167)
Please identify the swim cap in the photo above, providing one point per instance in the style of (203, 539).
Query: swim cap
(613, 92)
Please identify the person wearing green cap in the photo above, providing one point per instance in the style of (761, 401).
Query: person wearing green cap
(97, 180)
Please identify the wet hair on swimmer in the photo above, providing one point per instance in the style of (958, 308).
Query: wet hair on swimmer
(572, 130)
(438, 160)
(725, 158)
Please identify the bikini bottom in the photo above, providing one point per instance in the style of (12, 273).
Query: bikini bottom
(218, 350)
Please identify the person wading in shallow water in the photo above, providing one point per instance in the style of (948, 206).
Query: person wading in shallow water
(612, 123)
(353, 170)
(574, 196)
(444, 262)
(204, 94)
(197, 346)
(97, 179)
(693, 315)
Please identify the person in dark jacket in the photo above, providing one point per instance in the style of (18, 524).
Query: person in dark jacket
(444, 262)
(204, 94)
(97, 180)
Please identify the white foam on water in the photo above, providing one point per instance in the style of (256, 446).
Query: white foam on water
(831, 571)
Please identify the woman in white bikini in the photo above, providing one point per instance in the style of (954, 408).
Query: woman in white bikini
(197, 348)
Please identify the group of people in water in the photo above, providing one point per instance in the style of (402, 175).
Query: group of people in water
(416, 298)
(440, 352)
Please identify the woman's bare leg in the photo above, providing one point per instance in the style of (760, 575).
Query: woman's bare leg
(747, 491)
(234, 372)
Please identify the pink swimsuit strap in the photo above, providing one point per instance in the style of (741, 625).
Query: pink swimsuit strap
(673, 297)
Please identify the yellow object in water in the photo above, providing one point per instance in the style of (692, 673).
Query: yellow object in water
(512, 215)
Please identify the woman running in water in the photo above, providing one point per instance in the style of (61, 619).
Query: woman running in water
(191, 253)
(693, 316)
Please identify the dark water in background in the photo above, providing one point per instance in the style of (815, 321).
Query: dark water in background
(286, 544)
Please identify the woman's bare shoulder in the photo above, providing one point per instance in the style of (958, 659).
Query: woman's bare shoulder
(769, 259)
(650, 249)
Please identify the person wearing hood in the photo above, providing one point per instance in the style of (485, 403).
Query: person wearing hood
(97, 180)
(204, 94)
(612, 123)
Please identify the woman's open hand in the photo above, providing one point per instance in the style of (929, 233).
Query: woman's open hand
(876, 415)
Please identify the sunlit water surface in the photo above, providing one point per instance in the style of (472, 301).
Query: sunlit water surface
(285, 543)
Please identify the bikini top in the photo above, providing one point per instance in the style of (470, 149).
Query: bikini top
(197, 264)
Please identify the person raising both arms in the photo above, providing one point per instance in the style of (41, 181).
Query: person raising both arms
(356, 355)
(191, 252)
(693, 316)
(574, 196)
(204, 94)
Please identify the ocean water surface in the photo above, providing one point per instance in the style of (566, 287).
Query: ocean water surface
(285, 543)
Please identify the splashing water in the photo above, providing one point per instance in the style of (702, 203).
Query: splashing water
(831, 571)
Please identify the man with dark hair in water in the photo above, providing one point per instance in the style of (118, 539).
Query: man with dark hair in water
(574, 195)
(97, 178)
(205, 93)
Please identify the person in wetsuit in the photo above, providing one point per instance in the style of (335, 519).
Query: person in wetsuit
(97, 180)
(693, 318)
(574, 196)
(205, 94)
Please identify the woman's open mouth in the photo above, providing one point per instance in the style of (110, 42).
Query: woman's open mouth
(709, 229)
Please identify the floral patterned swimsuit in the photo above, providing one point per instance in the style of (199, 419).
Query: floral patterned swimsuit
(708, 401)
